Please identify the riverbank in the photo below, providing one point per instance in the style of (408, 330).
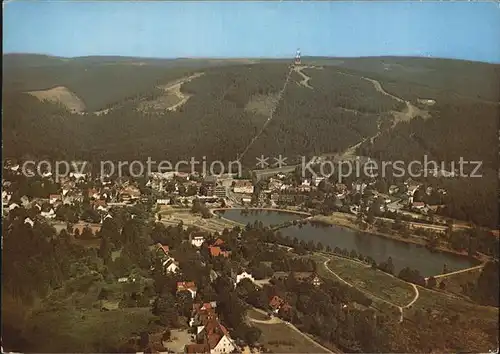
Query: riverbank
(349, 221)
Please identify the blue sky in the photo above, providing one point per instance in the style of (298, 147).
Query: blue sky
(449, 29)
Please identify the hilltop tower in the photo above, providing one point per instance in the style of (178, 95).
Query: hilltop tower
(297, 57)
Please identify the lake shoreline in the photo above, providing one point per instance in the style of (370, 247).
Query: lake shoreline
(344, 221)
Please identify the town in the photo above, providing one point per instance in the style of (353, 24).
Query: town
(214, 284)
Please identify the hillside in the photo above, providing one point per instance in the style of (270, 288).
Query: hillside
(375, 106)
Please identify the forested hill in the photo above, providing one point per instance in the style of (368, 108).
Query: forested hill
(400, 108)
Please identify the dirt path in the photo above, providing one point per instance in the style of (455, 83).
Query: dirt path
(175, 89)
(407, 114)
(305, 78)
(457, 272)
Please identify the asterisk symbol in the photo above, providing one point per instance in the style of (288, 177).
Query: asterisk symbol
(262, 161)
(280, 161)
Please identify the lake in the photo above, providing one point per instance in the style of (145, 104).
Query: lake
(377, 247)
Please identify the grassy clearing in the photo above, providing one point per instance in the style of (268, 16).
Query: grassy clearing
(377, 304)
(367, 279)
(373, 281)
(282, 339)
(71, 330)
(256, 315)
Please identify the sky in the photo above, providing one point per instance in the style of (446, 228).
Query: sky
(448, 29)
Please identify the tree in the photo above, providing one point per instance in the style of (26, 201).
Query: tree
(144, 341)
(164, 308)
(431, 282)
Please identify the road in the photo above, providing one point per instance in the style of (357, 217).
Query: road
(305, 79)
(457, 272)
(175, 89)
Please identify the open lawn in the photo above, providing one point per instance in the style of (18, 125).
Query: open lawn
(72, 330)
(374, 281)
(256, 315)
(282, 339)
(385, 291)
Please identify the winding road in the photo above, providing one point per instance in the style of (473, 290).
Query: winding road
(305, 81)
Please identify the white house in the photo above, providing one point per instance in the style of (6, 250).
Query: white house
(163, 201)
(197, 241)
(48, 214)
(13, 206)
(243, 186)
(243, 275)
(225, 345)
(29, 221)
(170, 265)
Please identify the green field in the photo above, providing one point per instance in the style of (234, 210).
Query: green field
(282, 339)
(86, 331)
(372, 280)
(369, 280)
(257, 315)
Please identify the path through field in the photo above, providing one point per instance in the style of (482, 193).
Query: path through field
(305, 78)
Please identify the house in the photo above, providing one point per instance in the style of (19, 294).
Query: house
(239, 276)
(243, 187)
(100, 205)
(418, 205)
(54, 198)
(170, 265)
(29, 221)
(246, 200)
(216, 336)
(201, 313)
(216, 251)
(197, 348)
(163, 201)
(220, 191)
(218, 242)
(187, 286)
(92, 193)
(197, 238)
(393, 189)
(277, 304)
(51, 214)
(164, 249)
(306, 182)
(13, 206)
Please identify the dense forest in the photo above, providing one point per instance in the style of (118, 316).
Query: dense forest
(230, 104)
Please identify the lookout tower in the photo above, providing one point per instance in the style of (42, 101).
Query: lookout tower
(297, 58)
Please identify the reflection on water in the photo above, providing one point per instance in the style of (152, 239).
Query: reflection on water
(377, 247)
